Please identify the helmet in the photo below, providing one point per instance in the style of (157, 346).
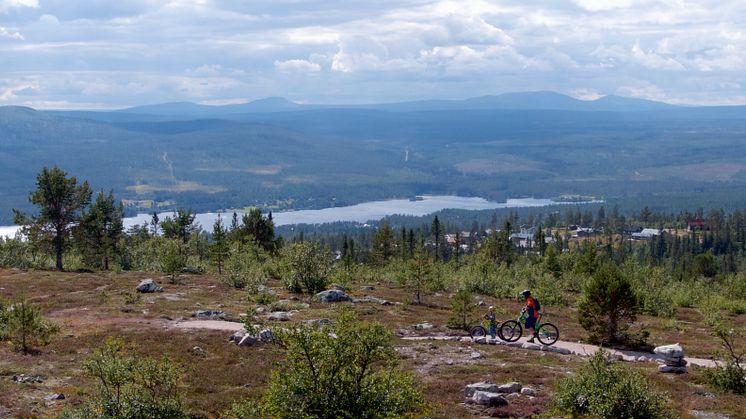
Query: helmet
(526, 293)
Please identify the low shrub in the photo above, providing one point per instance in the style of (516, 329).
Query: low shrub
(605, 389)
(26, 328)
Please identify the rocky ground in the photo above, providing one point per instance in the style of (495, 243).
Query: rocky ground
(192, 321)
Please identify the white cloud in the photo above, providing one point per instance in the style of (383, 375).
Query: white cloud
(6, 5)
(301, 66)
(113, 52)
(10, 34)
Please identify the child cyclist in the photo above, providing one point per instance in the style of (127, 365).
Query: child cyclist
(532, 309)
(492, 318)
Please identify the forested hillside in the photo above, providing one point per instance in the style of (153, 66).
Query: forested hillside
(281, 155)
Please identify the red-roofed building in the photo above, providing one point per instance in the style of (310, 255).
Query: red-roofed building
(697, 224)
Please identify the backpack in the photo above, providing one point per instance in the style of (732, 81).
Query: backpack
(537, 304)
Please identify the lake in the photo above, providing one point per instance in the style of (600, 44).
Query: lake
(367, 211)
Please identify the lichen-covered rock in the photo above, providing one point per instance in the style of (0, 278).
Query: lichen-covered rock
(209, 314)
(670, 351)
(281, 316)
(332, 296)
(148, 285)
(484, 398)
(509, 388)
(470, 389)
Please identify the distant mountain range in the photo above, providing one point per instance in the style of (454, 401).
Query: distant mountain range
(279, 154)
(509, 101)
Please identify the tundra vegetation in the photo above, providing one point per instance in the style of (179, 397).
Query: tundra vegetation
(606, 288)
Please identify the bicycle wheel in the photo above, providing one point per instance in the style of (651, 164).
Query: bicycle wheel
(547, 334)
(478, 332)
(511, 331)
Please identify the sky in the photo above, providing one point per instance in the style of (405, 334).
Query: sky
(103, 54)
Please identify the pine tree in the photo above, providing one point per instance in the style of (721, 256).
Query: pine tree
(383, 243)
(220, 246)
(101, 230)
(436, 230)
(61, 202)
(608, 305)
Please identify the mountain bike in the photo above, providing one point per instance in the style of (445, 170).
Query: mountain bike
(482, 330)
(511, 330)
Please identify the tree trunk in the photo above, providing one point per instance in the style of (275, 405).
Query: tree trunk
(58, 250)
(105, 262)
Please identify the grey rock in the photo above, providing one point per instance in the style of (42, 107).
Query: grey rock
(247, 340)
(531, 346)
(281, 316)
(475, 355)
(672, 370)
(27, 379)
(480, 340)
(332, 296)
(367, 288)
(485, 386)
(209, 314)
(528, 391)
(56, 396)
(423, 326)
(670, 351)
(484, 398)
(481, 303)
(148, 285)
(510, 388)
(236, 337)
(266, 335)
(338, 287)
(198, 351)
(376, 300)
(260, 310)
(191, 270)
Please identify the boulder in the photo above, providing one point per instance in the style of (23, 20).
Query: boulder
(470, 389)
(672, 370)
(266, 335)
(191, 270)
(423, 326)
(484, 398)
(281, 316)
(27, 379)
(475, 355)
(510, 388)
(670, 351)
(332, 296)
(148, 285)
(376, 300)
(209, 314)
(528, 391)
(247, 340)
(197, 351)
(236, 337)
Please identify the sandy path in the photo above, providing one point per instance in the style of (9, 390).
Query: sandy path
(209, 325)
(574, 348)
(562, 347)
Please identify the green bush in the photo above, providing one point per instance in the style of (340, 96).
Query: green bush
(309, 267)
(242, 269)
(462, 310)
(130, 387)
(26, 327)
(344, 371)
(608, 306)
(3, 320)
(728, 377)
(605, 389)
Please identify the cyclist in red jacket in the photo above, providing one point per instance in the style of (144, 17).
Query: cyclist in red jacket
(532, 310)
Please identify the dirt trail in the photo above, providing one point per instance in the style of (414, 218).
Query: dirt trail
(561, 347)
